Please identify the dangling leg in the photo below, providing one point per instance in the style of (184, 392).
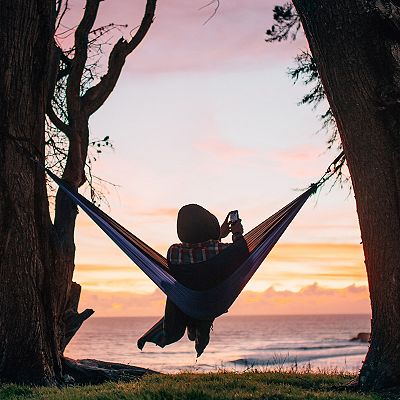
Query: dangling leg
(175, 322)
(202, 335)
(154, 335)
(167, 330)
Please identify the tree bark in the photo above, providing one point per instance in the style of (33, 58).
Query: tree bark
(356, 48)
(29, 332)
(38, 300)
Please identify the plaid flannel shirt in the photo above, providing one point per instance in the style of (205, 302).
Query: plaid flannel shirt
(191, 253)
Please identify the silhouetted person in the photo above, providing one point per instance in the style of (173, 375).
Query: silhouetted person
(200, 235)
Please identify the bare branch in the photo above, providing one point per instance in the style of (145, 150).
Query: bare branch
(61, 15)
(63, 72)
(143, 28)
(80, 56)
(60, 125)
(65, 59)
(217, 5)
(97, 95)
(58, 6)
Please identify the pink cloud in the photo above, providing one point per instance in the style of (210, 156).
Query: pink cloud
(311, 299)
(301, 153)
(222, 149)
(301, 161)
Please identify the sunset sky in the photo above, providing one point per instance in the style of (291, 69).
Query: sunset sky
(206, 113)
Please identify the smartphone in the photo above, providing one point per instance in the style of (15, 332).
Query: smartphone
(233, 216)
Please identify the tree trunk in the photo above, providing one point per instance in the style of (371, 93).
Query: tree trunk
(29, 326)
(38, 300)
(355, 45)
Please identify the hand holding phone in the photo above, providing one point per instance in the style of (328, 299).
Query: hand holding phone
(235, 224)
(233, 216)
(232, 224)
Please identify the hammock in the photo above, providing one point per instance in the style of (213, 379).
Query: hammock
(205, 290)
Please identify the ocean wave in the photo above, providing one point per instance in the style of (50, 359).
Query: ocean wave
(310, 347)
(285, 359)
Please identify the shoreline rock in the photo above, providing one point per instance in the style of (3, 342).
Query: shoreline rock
(362, 337)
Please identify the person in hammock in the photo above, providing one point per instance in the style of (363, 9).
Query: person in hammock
(200, 235)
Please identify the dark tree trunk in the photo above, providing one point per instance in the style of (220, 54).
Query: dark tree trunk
(356, 47)
(38, 300)
(29, 329)
(64, 225)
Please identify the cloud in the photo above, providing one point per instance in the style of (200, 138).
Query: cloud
(223, 149)
(300, 153)
(112, 279)
(108, 304)
(289, 266)
(292, 266)
(159, 212)
(312, 299)
(301, 161)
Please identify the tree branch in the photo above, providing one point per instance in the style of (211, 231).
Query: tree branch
(68, 66)
(60, 125)
(60, 14)
(56, 55)
(97, 95)
(73, 320)
(217, 5)
(80, 56)
(58, 6)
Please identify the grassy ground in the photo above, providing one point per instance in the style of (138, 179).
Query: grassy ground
(221, 386)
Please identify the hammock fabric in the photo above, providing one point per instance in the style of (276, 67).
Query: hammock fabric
(204, 290)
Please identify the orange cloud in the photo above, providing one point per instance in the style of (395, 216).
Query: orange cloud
(124, 304)
(288, 267)
(311, 299)
(292, 266)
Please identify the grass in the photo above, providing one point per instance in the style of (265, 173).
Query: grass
(218, 386)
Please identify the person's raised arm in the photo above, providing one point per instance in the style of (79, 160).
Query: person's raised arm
(225, 229)
(235, 227)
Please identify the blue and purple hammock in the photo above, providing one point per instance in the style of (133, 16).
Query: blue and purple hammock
(205, 290)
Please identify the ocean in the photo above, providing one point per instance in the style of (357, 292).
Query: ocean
(237, 343)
